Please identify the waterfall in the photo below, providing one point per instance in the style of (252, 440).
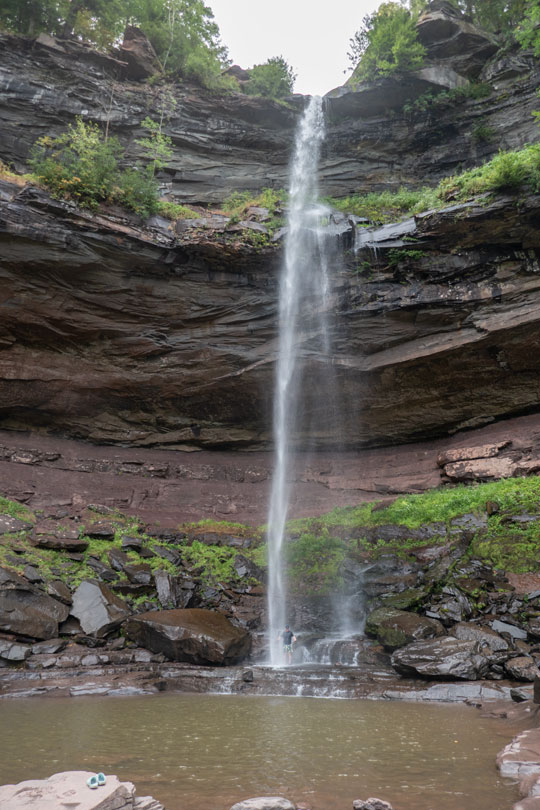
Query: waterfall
(302, 298)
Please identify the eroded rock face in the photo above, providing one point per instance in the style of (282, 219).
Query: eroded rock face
(97, 608)
(193, 635)
(441, 658)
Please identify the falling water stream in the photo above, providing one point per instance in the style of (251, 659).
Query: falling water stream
(304, 339)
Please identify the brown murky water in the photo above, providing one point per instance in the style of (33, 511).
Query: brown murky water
(195, 752)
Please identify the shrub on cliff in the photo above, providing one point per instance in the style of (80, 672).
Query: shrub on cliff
(273, 79)
(81, 164)
(387, 44)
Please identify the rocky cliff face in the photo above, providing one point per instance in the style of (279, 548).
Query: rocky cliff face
(117, 332)
(113, 333)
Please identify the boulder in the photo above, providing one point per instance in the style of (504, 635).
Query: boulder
(445, 657)
(60, 591)
(12, 651)
(522, 668)
(140, 574)
(27, 611)
(396, 628)
(194, 635)
(466, 631)
(98, 610)
(173, 592)
(453, 40)
(512, 630)
(371, 804)
(138, 52)
(69, 789)
(264, 803)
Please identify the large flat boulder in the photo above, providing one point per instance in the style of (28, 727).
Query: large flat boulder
(193, 635)
(27, 611)
(396, 628)
(97, 608)
(445, 657)
(69, 790)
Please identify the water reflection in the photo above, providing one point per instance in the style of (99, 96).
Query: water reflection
(194, 750)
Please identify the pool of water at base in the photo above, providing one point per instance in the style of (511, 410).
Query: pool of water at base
(193, 752)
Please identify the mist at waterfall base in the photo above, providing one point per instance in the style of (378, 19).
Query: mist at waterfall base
(307, 412)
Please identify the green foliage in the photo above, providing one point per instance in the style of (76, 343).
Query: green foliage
(174, 211)
(431, 102)
(506, 172)
(403, 256)
(498, 16)
(387, 44)
(14, 509)
(482, 132)
(216, 561)
(185, 37)
(83, 165)
(274, 79)
(387, 206)
(313, 561)
(184, 33)
(156, 146)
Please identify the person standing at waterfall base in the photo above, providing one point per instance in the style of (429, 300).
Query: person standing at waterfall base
(288, 638)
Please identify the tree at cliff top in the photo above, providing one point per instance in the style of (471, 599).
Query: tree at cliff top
(528, 33)
(273, 79)
(184, 33)
(499, 16)
(386, 44)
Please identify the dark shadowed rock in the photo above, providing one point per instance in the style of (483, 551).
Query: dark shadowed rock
(193, 635)
(27, 611)
(173, 592)
(441, 658)
(98, 610)
(59, 590)
(61, 543)
(396, 628)
(137, 51)
(101, 531)
(139, 574)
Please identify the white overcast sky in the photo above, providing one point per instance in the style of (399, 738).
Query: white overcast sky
(312, 35)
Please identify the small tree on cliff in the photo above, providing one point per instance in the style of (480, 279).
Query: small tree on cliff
(274, 79)
(386, 44)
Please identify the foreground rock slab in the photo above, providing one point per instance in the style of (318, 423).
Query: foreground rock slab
(69, 789)
(193, 635)
(264, 803)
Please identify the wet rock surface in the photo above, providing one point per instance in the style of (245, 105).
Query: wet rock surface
(445, 657)
(192, 635)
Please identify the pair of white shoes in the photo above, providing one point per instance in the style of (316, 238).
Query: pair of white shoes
(96, 781)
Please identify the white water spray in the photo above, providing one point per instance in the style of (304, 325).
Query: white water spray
(301, 277)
